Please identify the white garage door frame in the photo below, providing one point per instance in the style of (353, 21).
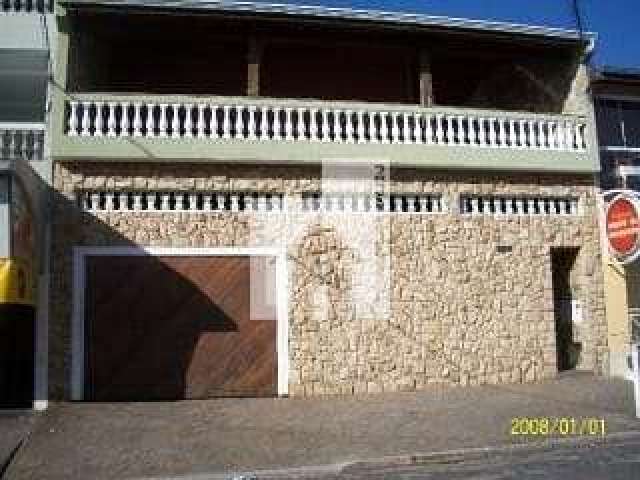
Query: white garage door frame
(80, 255)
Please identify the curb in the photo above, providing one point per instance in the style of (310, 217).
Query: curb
(457, 456)
(447, 457)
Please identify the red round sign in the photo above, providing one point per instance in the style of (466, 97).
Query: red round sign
(623, 226)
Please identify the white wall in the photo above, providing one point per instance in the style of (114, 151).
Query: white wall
(23, 31)
(24, 42)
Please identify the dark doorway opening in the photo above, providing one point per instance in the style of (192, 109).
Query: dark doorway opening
(16, 355)
(562, 264)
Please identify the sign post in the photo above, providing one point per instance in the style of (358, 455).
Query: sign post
(635, 360)
(622, 224)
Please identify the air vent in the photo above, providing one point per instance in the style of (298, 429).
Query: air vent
(167, 201)
(517, 205)
(395, 203)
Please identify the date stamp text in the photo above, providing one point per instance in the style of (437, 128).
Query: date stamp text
(560, 426)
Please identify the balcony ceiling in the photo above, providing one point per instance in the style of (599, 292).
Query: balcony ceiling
(380, 18)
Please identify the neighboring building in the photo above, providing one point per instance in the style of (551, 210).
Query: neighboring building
(616, 95)
(257, 199)
(25, 170)
(617, 104)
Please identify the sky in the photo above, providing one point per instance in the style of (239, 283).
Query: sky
(617, 22)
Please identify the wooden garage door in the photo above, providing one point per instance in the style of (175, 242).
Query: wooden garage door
(175, 327)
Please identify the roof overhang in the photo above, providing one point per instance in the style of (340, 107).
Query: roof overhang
(371, 17)
(614, 75)
(615, 83)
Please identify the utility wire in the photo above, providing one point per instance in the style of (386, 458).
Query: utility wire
(578, 17)
(577, 14)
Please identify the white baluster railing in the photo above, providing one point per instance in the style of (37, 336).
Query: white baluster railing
(163, 122)
(26, 6)
(406, 127)
(374, 128)
(86, 121)
(498, 205)
(179, 201)
(417, 127)
(439, 128)
(317, 123)
(428, 129)
(22, 141)
(201, 123)
(277, 124)
(345, 202)
(395, 128)
(188, 120)
(337, 126)
(361, 128)
(348, 115)
(137, 120)
(288, 125)
(226, 122)
(111, 119)
(300, 124)
(313, 125)
(238, 128)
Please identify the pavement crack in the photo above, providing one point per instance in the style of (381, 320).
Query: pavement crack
(12, 455)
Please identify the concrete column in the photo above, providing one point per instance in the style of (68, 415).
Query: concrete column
(41, 364)
(254, 59)
(426, 80)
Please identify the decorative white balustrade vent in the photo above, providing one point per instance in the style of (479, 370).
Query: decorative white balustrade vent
(311, 124)
(107, 201)
(396, 203)
(506, 205)
(18, 143)
(26, 6)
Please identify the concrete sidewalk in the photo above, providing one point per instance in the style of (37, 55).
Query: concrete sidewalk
(100, 441)
(15, 426)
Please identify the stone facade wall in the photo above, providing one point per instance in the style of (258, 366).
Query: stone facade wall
(460, 310)
(579, 100)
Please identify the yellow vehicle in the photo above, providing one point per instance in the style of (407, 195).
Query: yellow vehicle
(17, 284)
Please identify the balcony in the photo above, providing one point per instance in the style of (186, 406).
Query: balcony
(22, 141)
(218, 88)
(103, 126)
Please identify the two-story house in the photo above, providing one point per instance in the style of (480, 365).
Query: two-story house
(262, 199)
(616, 94)
(26, 31)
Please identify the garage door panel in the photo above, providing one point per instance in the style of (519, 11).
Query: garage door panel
(129, 326)
(241, 371)
(180, 327)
